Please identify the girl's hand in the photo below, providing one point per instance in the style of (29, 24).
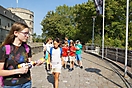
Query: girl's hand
(22, 70)
(40, 61)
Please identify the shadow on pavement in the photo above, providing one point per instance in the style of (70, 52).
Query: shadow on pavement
(50, 79)
(98, 64)
(95, 70)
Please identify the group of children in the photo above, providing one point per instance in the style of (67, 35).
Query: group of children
(72, 52)
(57, 55)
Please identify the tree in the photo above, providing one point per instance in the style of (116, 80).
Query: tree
(59, 23)
(76, 23)
(34, 37)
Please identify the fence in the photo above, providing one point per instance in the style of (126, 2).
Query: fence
(115, 54)
(118, 55)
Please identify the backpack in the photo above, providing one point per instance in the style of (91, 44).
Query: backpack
(51, 49)
(7, 48)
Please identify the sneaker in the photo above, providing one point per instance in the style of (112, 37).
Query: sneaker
(81, 67)
(65, 68)
(49, 72)
(70, 69)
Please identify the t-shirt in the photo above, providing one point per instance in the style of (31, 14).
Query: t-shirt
(56, 58)
(17, 56)
(48, 46)
(65, 51)
(72, 50)
(79, 50)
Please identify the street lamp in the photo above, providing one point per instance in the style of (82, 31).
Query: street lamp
(93, 31)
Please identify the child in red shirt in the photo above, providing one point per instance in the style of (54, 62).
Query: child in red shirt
(72, 50)
(65, 50)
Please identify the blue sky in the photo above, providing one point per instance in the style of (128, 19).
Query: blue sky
(39, 7)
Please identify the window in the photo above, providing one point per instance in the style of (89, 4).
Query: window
(30, 23)
(8, 24)
(1, 37)
(30, 16)
(0, 21)
(4, 12)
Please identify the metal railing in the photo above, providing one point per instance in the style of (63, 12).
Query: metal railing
(115, 54)
(118, 55)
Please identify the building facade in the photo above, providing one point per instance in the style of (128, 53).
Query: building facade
(7, 18)
(27, 16)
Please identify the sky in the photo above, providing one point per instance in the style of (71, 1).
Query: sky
(39, 7)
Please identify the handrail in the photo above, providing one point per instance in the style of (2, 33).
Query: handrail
(116, 54)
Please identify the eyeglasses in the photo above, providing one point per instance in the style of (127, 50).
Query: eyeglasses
(25, 33)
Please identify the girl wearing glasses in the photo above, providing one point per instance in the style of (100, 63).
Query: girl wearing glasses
(14, 77)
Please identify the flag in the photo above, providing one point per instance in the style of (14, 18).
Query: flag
(99, 6)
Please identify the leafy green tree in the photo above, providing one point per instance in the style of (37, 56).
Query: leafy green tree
(115, 19)
(76, 22)
(59, 23)
(34, 37)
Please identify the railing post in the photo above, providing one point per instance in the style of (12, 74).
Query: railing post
(131, 65)
(106, 52)
(116, 54)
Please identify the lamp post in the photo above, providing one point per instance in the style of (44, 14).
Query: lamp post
(93, 31)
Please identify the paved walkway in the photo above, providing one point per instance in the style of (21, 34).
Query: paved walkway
(95, 74)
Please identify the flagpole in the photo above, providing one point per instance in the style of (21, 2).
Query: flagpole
(103, 29)
(17, 2)
(127, 23)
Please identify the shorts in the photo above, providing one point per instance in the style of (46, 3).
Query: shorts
(65, 58)
(78, 57)
(58, 70)
(47, 57)
(72, 58)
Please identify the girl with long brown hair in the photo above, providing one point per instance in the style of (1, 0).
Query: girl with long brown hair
(14, 77)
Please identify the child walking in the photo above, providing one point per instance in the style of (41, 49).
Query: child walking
(78, 45)
(72, 55)
(65, 50)
(56, 61)
(47, 54)
(14, 77)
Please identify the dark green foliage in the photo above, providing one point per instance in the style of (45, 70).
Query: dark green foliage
(76, 22)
